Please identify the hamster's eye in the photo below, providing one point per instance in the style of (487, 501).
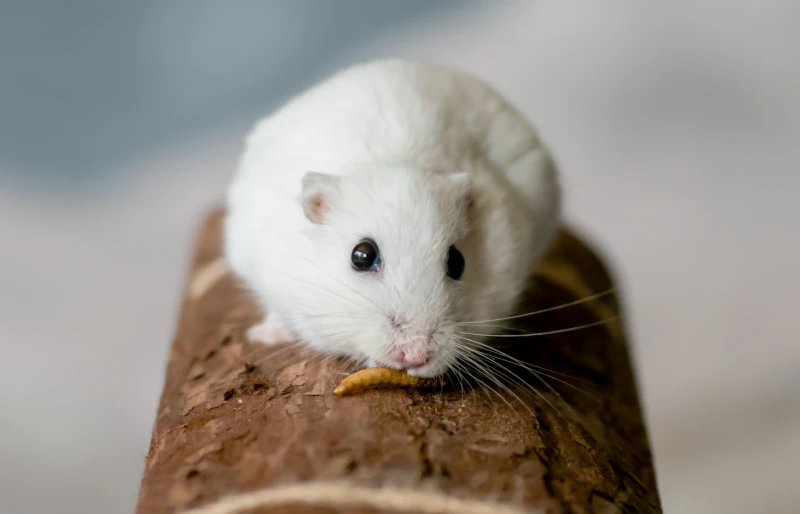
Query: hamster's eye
(366, 256)
(455, 263)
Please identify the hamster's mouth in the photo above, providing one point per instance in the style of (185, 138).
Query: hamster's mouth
(427, 371)
(430, 370)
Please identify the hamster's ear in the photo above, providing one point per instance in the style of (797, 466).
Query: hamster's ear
(462, 185)
(319, 189)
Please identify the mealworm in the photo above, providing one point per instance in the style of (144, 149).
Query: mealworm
(381, 376)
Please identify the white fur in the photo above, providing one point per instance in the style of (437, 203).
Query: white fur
(392, 137)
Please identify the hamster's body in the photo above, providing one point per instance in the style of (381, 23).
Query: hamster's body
(417, 160)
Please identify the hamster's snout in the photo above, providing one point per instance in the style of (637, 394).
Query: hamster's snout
(412, 343)
(415, 354)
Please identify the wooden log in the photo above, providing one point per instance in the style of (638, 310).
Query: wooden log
(244, 428)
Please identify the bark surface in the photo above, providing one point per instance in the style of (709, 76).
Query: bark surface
(235, 417)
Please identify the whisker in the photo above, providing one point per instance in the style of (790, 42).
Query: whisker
(549, 332)
(259, 347)
(359, 293)
(273, 352)
(468, 375)
(496, 353)
(457, 376)
(527, 385)
(484, 385)
(313, 284)
(548, 309)
(475, 365)
(505, 327)
(343, 315)
(520, 381)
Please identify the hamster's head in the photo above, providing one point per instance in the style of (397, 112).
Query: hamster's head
(403, 258)
(402, 253)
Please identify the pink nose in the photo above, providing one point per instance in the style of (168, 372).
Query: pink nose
(411, 356)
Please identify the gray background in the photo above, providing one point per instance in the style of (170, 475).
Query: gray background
(676, 128)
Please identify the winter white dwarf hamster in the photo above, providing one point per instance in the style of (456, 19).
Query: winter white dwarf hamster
(379, 209)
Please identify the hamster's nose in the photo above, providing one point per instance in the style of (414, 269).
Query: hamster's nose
(411, 356)
(411, 361)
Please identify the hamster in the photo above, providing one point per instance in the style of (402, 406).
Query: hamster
(377, 210)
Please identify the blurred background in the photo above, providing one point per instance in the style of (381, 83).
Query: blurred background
(676, 128)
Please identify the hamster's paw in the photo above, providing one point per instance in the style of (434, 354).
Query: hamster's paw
(270, 331)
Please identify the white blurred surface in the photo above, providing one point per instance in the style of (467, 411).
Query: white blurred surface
(676, 130)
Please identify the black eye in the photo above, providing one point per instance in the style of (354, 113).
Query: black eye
(455, 263)
(366, 256)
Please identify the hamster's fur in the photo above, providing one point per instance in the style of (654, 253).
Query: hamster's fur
(417, 158)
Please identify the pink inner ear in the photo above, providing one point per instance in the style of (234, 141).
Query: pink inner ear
(318, 189)
(315, 208)
(470, 207)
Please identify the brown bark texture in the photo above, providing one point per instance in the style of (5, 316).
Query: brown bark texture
(564, 436)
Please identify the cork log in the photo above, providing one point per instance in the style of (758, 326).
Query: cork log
(245, 428)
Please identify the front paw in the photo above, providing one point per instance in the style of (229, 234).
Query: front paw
(271, 331)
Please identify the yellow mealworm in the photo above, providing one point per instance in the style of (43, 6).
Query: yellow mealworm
(381, 376)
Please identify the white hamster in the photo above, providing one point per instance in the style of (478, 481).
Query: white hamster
(379, 209)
